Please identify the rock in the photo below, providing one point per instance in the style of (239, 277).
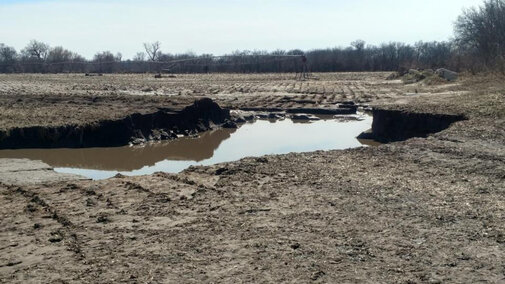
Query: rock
(138, 141)
(118, 175)
(167, 134)
(155, 136)
(240, 116)
(346, 118)
(304, 117)
(240, 119)
(262, 115)
(164, 135)
(229, 124)
(447, 74)
(248, 117)
(274, 115)
(300, 117)
(236, 113)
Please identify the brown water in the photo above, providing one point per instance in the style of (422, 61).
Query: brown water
(252, 139)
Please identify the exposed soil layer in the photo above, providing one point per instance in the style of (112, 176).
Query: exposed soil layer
(425, 210)
(164, 124)
(396, 125)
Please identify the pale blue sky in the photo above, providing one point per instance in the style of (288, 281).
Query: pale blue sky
(88, 26)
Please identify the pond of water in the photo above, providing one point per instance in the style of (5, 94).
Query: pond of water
(259, 138)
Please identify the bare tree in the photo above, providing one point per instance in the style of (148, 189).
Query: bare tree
(359, 45)
(58, 58)
(36, 49)
(482, 31)
(106, 62)
(153, 50)
(59, 54)
(8, 57)
(140, 56)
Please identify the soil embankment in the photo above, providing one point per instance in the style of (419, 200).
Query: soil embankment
(164, 124)
(396, 125)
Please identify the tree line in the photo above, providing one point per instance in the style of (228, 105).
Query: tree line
(478, 44)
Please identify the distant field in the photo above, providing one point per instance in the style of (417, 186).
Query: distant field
(62, 99)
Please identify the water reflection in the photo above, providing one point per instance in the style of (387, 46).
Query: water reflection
(253, 139)
(128, 158)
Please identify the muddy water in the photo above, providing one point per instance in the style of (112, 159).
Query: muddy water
(252, 139)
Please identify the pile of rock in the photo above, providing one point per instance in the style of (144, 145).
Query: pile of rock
(447, 74)
(414, 76)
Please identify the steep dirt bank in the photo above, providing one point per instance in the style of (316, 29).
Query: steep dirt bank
(161, 125)
(396, 125)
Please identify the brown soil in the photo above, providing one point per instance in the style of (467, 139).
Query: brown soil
(423, 210)
(75, 99)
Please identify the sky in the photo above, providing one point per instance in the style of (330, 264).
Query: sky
(219, 27)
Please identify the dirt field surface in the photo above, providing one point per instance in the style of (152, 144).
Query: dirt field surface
(74, 99)
(425, 210)
(25, 171)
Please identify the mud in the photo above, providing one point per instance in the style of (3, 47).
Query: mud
(424, 210)
(26, 172)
